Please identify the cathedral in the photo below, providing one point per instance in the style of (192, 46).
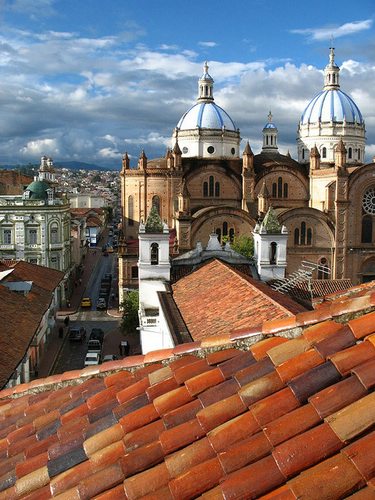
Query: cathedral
(325, 198)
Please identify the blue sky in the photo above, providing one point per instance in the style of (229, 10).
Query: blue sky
(88, 80)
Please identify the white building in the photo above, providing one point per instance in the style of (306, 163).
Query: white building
(35, 226)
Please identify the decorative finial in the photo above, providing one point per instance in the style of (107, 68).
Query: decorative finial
(270, 117)
(205, 67)
(332, 54)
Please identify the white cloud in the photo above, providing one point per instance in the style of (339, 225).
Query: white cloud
(328, 32)
(40, 147)
(109, 153)
(207, 44)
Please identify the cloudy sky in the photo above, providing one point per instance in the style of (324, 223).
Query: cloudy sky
(88, 80)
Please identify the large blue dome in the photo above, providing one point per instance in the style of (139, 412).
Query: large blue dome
(332, 105)
(206, 115)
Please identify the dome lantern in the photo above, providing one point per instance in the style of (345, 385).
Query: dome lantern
(269, 136)
(205, 85)
(331, 72)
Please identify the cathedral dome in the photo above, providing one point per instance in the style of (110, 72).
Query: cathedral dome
(206, 115)
(206, 130)
(331, 116)
(332, 105)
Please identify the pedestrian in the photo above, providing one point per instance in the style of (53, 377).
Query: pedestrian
(66, 320)
(68, 304)
(80, 281)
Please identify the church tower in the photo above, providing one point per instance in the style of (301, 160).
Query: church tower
(270, 245)
(270, 136)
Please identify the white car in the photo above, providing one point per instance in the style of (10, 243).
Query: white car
(92, 358)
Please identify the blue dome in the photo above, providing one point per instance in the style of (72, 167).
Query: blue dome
(270, 125)
(331, 105)
(206, 115)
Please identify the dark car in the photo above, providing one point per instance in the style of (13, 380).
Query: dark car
(77, 334)
(97, 334)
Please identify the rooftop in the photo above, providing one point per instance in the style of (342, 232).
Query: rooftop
(283, 410)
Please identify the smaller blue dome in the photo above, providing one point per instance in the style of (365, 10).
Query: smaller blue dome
(269, 125)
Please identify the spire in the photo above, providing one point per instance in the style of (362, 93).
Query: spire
(331, 72)
(125, 161)
(314, 153)
(270, 222)
(247, 150)
(205, 85)
(264, 191)
(269, 136)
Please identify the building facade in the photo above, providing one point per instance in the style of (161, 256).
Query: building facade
(325, 198)
(35, 226)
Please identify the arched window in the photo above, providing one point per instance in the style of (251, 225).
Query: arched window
(323, 269)
(274, 190)
(324, 152)
(231, 234)
(130, 210)
(217, 189)
(303, 235)
(154, 254)
(350, 153)
(205, 189)
(156, 203)
(359, 154)
(211, 184)
(54, 233)
(225, 228)
(279, 187)
(175, 204)
(296, 236)
(286, 189)
(273, 252)
(303, 153)
(367, 229)
(218, 232)
(309, 236)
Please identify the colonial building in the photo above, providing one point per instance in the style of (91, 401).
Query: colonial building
(35, 226)
(325, 198)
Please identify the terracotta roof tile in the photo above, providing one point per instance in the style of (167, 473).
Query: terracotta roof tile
(291, 424)
(353, 419)
(362, 326)
(230, 420)
(345, 360)
(305, 450)
(333, 478)
(337, 396)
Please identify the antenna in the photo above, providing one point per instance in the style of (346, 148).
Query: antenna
(304, 273)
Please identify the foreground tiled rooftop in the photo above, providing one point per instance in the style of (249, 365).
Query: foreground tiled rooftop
(282, 411)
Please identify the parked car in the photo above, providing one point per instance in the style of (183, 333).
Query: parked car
(94, 346)
(101, 304)
(77, 334)
(86, 302)
(92, 358)
(109, 357)
(97, 334)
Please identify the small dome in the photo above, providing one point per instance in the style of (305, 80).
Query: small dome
(38, 190)
(332, 105)
(270, 125)
(206, 115)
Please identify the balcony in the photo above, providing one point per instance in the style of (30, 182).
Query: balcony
(56, 246)
(7, 247)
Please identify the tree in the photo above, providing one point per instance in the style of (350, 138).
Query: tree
(130, 321)
(244, 245)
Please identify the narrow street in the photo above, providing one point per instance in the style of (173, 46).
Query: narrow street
(72, 354)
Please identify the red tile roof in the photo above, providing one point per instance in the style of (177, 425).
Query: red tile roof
(288, 414)
(216, 299)
(21, 315)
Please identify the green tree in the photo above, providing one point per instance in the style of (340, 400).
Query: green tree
(244, 245)
(108, 211)
(130, 321)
